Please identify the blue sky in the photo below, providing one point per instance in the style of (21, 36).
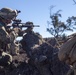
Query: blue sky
(38, 11)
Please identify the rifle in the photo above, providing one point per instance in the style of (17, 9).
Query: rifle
(19, 24)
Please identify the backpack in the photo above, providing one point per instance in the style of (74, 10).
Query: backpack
(68, 51)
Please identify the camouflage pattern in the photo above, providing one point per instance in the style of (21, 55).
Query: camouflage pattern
(5, 59)
(7, 40)
(3, 34)
(8, 13)
(74, 68)
(14, 48)
(29, 30)
(4, 37)
(70, 72)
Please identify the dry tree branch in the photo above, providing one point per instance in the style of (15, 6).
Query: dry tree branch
(74, 1)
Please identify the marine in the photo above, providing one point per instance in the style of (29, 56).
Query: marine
(6, 17)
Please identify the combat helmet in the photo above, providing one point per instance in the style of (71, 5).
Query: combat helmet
(8, 13)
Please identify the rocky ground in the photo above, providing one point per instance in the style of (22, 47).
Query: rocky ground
(38, 57)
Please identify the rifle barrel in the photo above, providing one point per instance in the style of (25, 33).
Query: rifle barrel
(24, 25)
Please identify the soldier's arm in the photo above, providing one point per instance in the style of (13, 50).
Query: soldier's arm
(4, 36)
(4, 30)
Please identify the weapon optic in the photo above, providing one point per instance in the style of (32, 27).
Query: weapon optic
(18, 23)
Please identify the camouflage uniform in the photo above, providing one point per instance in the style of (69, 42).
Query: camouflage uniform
(5, 18)
(14, 47)
(5, 59)
(4, 39)
(28, 30)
